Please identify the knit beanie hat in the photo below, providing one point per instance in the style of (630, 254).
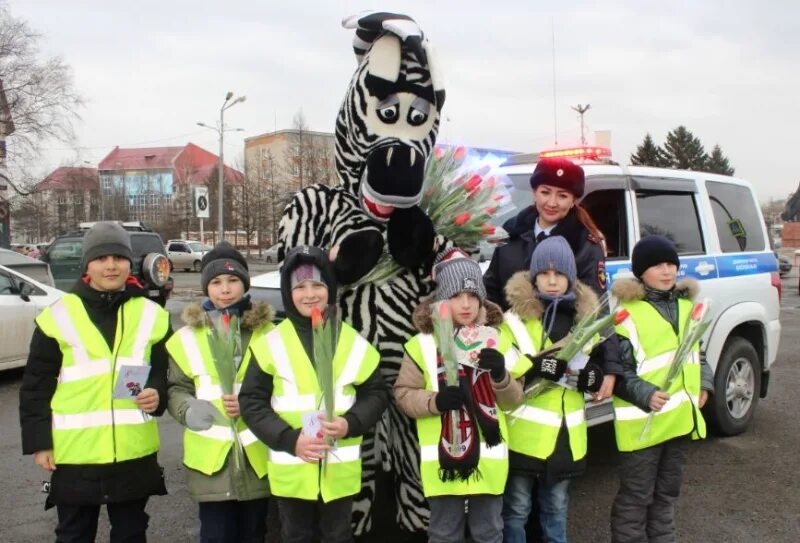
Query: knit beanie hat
(306, 272)
(222, 259)
(106, 238)
(559, 172)
(455, 272)
(554, 253)
(651, 251)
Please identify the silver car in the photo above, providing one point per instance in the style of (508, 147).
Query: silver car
(186, 254)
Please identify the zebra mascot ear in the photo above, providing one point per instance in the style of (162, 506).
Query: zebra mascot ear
(389, 122)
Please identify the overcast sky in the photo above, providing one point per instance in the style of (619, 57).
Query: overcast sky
(728, 71)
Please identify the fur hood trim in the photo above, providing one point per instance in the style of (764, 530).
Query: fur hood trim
(259, 314)
(490, 315)
(521, 296)
(629, 289)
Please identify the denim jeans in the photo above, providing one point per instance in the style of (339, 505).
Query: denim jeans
(553, 507)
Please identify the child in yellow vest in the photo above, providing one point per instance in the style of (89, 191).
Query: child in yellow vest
(548, 439)
(474, 474)
(651, 463)
(227, 473)
(313, 480)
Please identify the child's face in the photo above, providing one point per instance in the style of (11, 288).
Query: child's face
(308, 295)
(225, 290)
(108, 273)
(464, 308)
(552, 204)
(552, 283)
(661, 276)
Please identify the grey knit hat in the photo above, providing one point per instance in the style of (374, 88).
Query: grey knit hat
(106, 238)
(223, 259)
(455, 272)
(554, 253)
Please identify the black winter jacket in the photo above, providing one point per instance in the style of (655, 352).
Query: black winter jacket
(631, 387)
(90, 484)
(515, 255)
(372, 396)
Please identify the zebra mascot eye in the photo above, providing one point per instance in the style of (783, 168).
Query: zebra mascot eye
(418, 112)
(389, 110)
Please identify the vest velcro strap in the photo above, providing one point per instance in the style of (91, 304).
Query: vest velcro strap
(430, 453)
(92, 419)
(631, 412)
(84, 370)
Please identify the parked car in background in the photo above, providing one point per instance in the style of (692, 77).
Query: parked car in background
(271, 255)
(150, 262)
(186, 254)
(27, 266)
(21, 300)
(784, 264)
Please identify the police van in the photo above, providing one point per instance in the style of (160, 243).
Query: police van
(716, 224)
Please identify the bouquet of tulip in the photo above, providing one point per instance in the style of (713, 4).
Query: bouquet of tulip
(225, 342)
(444, 333)
(597, 323)
(325, 335)
(460, 195)
(697, 323)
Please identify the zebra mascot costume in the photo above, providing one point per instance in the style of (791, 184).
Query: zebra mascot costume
(385, 132)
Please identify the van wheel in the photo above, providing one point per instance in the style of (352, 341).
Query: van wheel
(737, 384)
(196, 266)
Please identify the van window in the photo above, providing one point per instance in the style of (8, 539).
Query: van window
(738, 225)
(607, 209)
(672, 215)
(66, 250)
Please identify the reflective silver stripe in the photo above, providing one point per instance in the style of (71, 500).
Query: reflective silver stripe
(192, 350)
(353, 363)
(282, 364)
(93, 419)
(428, 347)
(350, 453)
(633, 337)
(430, 453)
(130, 361)
(575, 418)
(538, 415)
(664, 360)
(511, 358)
(524, 341)
(217, 432)
(144, 329)
(247, 437)
(303, 402)
(208, 392)
(280, 457)
(343, 402)
(84, 370)
(69, 332)
(631, 412)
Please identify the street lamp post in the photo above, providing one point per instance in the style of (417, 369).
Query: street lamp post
(221, 173)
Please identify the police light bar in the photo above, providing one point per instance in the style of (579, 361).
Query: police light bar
(580, 153)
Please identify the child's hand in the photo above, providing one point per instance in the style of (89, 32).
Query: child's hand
(147, 400)
(310, 449)
(607, 388)
(231, 404)
(336, 429)
(658, 400)
(45, 460)
(703, 398)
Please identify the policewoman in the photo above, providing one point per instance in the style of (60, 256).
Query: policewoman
(227, 473)
(98, 449)
(281, 401)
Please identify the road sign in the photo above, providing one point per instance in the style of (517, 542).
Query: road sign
(201, 206)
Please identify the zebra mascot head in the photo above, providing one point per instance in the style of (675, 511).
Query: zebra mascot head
(388, 122)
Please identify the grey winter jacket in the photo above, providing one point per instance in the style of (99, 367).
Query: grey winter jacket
(228, 483)
(631, 387)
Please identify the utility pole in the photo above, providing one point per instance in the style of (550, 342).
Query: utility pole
(581, 111)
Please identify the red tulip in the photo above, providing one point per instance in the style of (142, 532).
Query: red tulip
(620, 316)
(491, 182)
(491, 210)
(316, 317)
(462, 219)
(488, 229)
(497, 197)
(473, 183)
(438, 152)
(698, 311)
(458, 181)
(460, 153)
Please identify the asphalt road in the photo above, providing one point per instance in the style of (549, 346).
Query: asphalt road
(740, 489)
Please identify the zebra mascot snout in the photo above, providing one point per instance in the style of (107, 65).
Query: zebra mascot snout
(385, 131)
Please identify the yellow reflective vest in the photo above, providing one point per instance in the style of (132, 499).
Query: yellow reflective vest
(89, 426)
(534, 426)
(493, 462)
(206, 450)
(654, 343)
(296, 392)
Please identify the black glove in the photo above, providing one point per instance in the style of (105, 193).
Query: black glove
(494, 362)
(410, 235)
(590, 378)
(547, 366)
(449, 399)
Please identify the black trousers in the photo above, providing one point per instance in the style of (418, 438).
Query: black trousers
(649, 485)
(303, 521)
(78, 523)
(233, 521)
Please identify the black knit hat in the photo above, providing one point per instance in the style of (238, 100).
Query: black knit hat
(222, 259)
(561, 173)
(651, 251)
